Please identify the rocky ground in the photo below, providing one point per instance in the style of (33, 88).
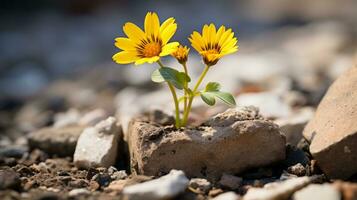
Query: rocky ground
(293, 135)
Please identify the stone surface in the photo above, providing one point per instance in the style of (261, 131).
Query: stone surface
(165, 187)
(60, 141)
(227, 196)
(278, 191)
(240, 136)
(230, 182)
(294, 125)
(9, 179)
(316, 191)
(348, 190)
(333, 130)
(200, 185)
(98, 145)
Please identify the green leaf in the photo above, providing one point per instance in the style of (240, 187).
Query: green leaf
(156, 77)
(226, 97)
(178, 79)
(212, 86)
(208, 98)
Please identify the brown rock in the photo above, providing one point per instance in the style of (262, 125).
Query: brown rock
(230, 142)
(333, 130)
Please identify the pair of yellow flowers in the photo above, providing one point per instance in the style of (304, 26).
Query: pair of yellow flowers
(149, 45)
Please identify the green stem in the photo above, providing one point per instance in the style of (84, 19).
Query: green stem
(188, 110)
(174, 95)
(185, 92)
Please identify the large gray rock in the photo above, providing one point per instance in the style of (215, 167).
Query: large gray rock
(60, 141)
(165, 187)
(98, 145)
(333, 130)
(318, 191)
(230, 142)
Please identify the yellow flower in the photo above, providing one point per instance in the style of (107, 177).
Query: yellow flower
(181, 54)
(212, 44)
(148, 46)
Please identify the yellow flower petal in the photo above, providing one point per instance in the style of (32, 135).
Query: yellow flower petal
(124, 43)
(212, 34)
(153, 59)
(141, 61)
(125, 57)
(197, 41)
(225, 36)
(220, 31)
(167, 34)
(155, 23)
(166, 23)
(169, 48)
(133, 32)
(152, 24)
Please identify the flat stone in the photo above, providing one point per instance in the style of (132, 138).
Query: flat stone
(59, 141)
(278, 191)
(333, 130)
(227, 196)
(317, 191)
(240, 136)
(98, 145)
(165, 187)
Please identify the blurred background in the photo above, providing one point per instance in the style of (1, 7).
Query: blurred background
(56, 55)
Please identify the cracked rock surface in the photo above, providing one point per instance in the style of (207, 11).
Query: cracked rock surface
(208, 150)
